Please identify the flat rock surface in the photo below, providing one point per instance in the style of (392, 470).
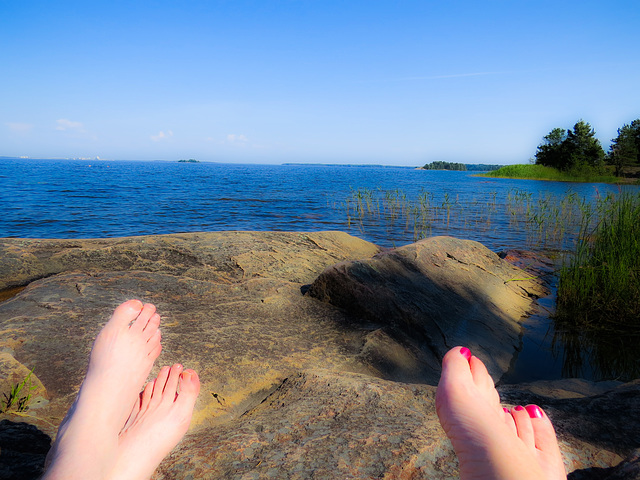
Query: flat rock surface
(318, 352)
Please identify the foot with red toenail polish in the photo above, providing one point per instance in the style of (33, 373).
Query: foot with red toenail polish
(481, 430)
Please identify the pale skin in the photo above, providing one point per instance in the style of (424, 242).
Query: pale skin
(110, 418)
(115, 432)
(492, 442)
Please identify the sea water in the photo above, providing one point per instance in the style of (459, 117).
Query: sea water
(93, 199)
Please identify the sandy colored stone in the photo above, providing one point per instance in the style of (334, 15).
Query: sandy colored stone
(293, 385)
(435, 294)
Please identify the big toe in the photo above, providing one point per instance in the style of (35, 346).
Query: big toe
(126, 313)
(455, 366)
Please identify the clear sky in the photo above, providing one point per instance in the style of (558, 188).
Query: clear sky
(350, 81)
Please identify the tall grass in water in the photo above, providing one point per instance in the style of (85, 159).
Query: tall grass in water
(598, 312)
(416, 217)
(601, 282)
(597, 325)
(551, 222)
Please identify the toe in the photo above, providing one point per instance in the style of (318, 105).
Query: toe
(146, 395)
(481, 377)
(154, 340)
(125, 313)
(152, 325)
(455, 365)
(186, 399)
(134, 413)
(171, 388)
(523, 426)
(189, 383)
(155, 347)
(508, 419)
(148, 310)
(159, 386)
(545, 435)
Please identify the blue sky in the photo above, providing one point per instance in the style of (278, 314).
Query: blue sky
(397, 83)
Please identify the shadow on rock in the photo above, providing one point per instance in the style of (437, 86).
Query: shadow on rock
(429, 297)
(23, 449)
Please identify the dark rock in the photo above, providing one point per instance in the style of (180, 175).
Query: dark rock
(628, 469)
(23, 449)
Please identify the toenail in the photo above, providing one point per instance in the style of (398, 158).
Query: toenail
(506, 410)
(519, 408)
(466, 353)
(534, 411)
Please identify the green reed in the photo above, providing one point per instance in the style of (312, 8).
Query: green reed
(598, 314)
(601, 280)
(550, 221)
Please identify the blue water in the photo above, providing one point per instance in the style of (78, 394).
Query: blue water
(91, 199)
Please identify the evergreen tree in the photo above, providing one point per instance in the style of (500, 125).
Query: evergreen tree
(583, 148)
(550, 152)
(635, 127)
(575, 149)
(625, 148)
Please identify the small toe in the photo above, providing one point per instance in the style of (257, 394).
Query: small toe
(152, 325)
(482, 379)
(148, 310)
(189, 383)
(171, 386)
(523, 426)
(545, 435)
(508, 419)
(159, 386)
(155, 347)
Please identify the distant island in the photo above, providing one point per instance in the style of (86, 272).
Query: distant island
(462, 167)
(191, 160)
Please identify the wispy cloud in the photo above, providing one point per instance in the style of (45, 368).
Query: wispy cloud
(162, 135)
(234, 138)
(65, 125)
(432, 77)
(19, 127)
(452, 75)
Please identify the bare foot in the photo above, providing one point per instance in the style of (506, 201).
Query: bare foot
(121, 359)
(156, 424)
(492, 442)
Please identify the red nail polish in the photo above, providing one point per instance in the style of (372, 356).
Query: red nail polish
(466, 353)
(506, 410)
(534, 411)
(519, 408)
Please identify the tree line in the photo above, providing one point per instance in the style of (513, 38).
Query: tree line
(578, 150)
(439, 165)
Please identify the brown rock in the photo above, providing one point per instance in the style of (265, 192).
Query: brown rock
(433, 295)
(292, 387)
(26, 384)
